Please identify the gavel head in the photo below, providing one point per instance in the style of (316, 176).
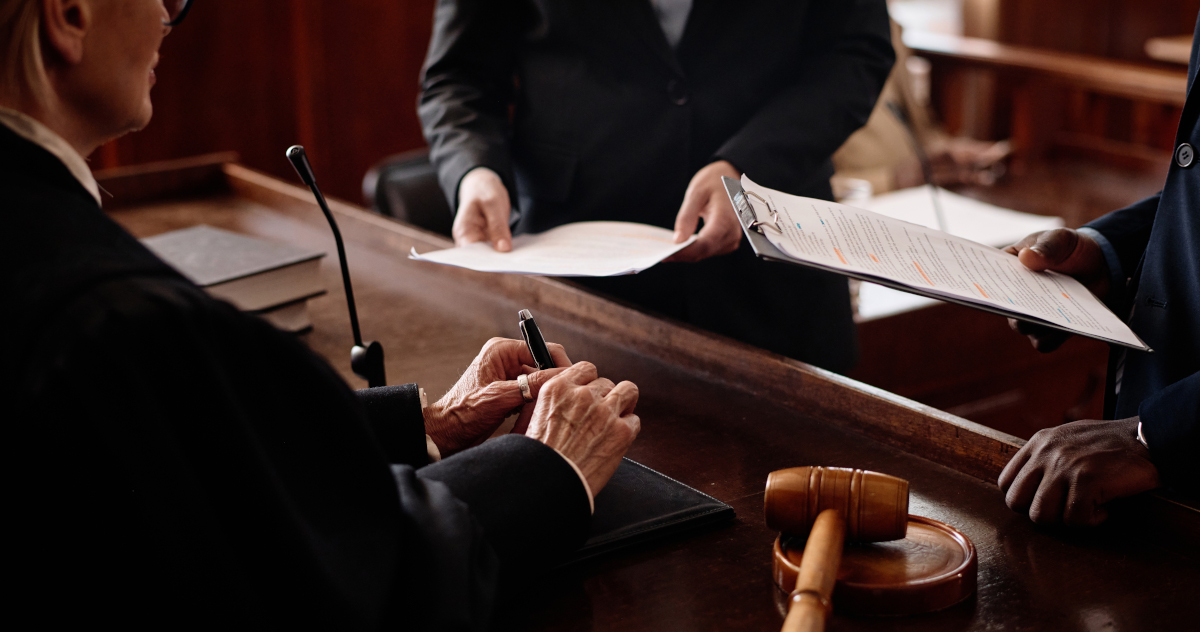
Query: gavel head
(874, 505)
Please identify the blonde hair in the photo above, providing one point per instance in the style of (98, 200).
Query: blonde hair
(23, 76)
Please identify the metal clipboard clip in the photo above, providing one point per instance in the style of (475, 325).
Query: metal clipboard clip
(756, 223)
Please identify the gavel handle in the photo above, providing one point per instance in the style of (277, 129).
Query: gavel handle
(818, 572)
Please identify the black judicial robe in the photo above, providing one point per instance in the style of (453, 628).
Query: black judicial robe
(587, 113)
(175, 463)
(1157, 242)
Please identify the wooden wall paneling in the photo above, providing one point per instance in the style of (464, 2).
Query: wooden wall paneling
(947, 83)
(223, 84)
(369, 63)
(1109, 28)
(306, 50)
(1036, 113)
(339, 77)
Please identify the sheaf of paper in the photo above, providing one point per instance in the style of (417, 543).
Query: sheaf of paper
(964, 217)
(844, 238)
(594, 249)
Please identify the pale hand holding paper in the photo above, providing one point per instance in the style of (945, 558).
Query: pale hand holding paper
(594, 249)
(875, 247)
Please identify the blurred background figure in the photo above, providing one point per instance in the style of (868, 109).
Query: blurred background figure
(634, 111)
(901, 134)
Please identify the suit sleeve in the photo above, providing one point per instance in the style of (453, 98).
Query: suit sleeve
(1128, 230)
(529, 500)
(394, 415)
(466, 90)
(846, 62)
(1171, 423)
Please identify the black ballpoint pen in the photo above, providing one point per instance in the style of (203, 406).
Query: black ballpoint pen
(535, 341)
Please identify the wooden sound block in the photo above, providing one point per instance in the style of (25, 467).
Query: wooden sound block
(932, 568)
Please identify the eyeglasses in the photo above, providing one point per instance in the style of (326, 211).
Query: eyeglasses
(176, 10)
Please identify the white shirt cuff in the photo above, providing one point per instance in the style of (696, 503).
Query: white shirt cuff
(432, 450)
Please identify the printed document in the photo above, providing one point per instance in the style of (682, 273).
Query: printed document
(978, 221)
(926, 261)
(593, 249)
(971, 219)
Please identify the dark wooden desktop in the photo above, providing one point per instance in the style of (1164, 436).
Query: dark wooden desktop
(717, 415)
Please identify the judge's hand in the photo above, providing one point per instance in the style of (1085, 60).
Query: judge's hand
(706, 199)
(1062, 250)
(588, 419)
(1066, 474)
(486, 393)
(483, 210)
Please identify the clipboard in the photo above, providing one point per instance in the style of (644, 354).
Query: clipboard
(755, 223)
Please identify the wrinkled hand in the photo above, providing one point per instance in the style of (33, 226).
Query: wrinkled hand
(483, 210)
(1062, 250)
(706, 199)
(1066, 474)
(588, 419)
(486, 393)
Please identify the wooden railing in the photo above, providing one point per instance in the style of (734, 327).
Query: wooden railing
(1120, 111)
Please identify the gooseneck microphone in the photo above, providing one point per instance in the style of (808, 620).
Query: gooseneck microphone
(365, 360)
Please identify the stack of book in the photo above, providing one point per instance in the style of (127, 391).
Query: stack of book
(269, 279)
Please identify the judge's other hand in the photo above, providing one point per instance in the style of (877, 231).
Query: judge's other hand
(706, 199)
(1069, 252)
(483, 210)
(1066, 474)
(588, 419)
(486, 393)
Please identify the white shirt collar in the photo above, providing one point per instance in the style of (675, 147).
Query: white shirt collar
(33, 131)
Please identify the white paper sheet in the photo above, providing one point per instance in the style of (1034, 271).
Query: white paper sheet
(594, 249)
(965, 217)
(861, 242)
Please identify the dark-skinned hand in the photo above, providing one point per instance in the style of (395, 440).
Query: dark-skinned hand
(1062, 250)
(1066, 475)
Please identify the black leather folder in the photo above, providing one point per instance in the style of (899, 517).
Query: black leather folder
(639, 504)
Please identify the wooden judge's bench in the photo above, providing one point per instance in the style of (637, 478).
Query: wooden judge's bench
(716, 415)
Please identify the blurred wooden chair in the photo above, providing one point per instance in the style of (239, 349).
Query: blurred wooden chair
(405, 186)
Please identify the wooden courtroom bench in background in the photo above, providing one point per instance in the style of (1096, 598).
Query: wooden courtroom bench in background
(716, 415)
(1060, 105)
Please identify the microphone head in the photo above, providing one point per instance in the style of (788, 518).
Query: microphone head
(299, 159)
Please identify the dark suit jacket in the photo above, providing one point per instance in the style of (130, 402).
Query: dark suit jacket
(587, 113)
(1158, 240)
(178, 463)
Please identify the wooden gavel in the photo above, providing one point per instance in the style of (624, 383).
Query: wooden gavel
(837, 504)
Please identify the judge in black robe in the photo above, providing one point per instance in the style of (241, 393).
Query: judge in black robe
(175, 462)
